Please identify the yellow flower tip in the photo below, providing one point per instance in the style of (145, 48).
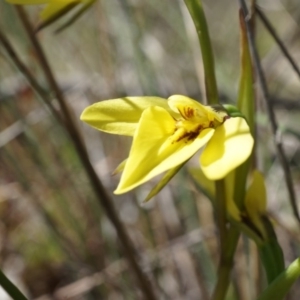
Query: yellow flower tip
(119, 192)
(119, 168)
(122, 189)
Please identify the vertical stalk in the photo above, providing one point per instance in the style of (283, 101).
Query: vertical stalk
(102, 196)
(226, 264)
(221, 211)
(196, 10)
(228, 238)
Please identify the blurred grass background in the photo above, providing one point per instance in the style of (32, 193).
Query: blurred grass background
(55, 241)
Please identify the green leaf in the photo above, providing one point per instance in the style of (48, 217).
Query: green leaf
(271, 253)
(282, 284)
(245, 101)
(272, 259)
(245, 105)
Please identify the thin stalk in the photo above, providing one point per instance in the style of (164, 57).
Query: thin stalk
(104, 200)
(221, 211)
(274, 34)
(228, 242)
(10, 288)
(27, 74)
(226, 264)
(196, 10)
(274, 126)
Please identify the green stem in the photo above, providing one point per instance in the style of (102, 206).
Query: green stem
(228, 242)
(10, 288)
(226, 264)
(196, 10)
(221, 211)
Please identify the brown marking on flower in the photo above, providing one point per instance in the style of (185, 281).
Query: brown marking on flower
(189, 112)
(189, 135)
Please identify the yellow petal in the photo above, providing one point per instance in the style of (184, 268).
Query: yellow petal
(28, 2)
(229, 147)
(231, 207)
(120, 116)
(256, 196)
(256, 201)
(153, 151)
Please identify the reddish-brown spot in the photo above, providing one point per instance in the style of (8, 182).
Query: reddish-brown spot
(189, 135)
(189, 112)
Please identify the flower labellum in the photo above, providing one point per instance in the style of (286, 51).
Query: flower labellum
(166, 133)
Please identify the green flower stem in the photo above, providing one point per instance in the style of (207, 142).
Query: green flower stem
(228, 243)
(221, 211)
(226, 264)
(196, 10)
(10, 288)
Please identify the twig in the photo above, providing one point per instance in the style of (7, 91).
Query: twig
(274, 34)
(274, 126)
(102, 196)
(27, 74)
(10, 288)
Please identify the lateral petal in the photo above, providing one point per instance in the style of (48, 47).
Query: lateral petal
(27, 2)
(163, 182)
(256, 202)
(256, 196)
(120, 116)
(229, 147)
(153, 151)
(57, 8)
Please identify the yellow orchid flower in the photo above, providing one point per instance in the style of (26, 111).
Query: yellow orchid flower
(56, 8)
(166, 133)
